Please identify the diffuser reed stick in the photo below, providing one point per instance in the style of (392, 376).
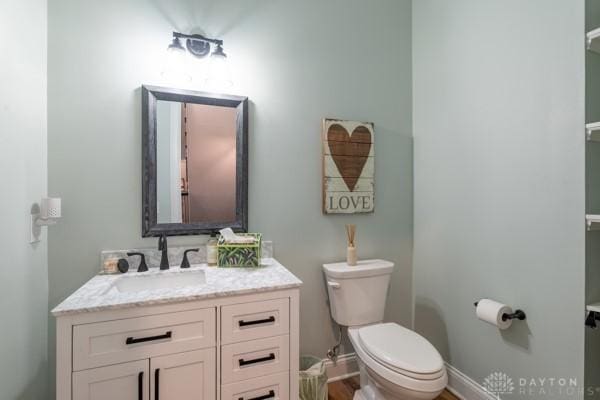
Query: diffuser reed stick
(351, 233)
(351, 250)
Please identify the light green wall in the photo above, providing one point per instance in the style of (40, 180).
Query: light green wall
(297, 62)
(499, 182)
(23, 179)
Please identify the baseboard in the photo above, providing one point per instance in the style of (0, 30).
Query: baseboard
(345, 366)
(464, 387)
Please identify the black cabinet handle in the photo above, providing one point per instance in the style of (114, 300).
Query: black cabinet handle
(271, 395)
(141, 386)
(156, 383)
(257, 321)
(256, 360)
(132, 340)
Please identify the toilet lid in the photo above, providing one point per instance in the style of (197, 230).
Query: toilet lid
(400, 348)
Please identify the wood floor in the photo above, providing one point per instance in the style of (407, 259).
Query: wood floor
(344, 390)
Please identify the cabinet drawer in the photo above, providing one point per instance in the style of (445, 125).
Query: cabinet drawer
(112, 342)
(269, 387)
(256, 320)
(241, 361)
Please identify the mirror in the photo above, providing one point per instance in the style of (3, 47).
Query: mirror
(194, 162)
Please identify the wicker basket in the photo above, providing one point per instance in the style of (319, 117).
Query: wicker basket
(239, 255)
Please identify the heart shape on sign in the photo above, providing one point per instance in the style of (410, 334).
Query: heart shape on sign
(350, 152)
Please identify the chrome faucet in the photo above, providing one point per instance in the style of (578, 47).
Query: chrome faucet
(162, 246)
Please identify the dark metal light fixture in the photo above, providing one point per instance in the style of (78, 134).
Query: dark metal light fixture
(175, 45)
(177, 68)
(218, 52)
(198, 45)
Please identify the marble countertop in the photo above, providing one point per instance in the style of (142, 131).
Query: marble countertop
(100, 293)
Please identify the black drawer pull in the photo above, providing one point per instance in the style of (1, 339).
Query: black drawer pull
(271, 395)
(132, 340)
(257, 360)
(257, 321)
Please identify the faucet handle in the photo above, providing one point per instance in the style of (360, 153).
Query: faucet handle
(162, 242)
(185, 263)
(123, 265)
(143, 267)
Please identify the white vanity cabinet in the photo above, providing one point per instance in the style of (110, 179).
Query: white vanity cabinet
(235, 347)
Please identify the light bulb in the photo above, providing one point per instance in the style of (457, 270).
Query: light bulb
(219, 75)
(175, 68)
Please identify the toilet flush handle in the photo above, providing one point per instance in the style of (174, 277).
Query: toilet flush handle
(333, 285)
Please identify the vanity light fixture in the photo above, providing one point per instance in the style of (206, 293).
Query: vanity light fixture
(45, 215)
(200, 47)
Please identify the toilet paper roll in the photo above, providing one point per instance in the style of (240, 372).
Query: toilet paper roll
(491, 312)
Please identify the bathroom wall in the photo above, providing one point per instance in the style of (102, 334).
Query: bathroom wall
(298, 62)
(23, 162)
(499, 183)
(592, 279)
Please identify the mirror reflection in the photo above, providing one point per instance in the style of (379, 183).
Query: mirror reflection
(195, 163)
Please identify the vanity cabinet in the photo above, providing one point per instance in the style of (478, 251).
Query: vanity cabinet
(242, 347)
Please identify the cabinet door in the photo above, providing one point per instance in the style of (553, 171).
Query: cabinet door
(184, 376)
(129, 381)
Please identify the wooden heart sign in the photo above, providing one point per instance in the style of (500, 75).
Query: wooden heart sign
(348, 166)
(349, 152)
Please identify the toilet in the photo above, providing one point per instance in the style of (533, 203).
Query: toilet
(395, 362)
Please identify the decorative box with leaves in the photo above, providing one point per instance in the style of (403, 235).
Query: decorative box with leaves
(239, 255)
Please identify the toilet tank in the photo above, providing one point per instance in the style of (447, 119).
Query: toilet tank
(357, 294)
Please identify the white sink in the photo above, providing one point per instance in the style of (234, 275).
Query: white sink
(138, 283)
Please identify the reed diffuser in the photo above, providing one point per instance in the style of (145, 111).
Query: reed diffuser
(351, 251)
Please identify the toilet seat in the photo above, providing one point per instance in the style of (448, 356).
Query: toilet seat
(401, 350)
(388, 369)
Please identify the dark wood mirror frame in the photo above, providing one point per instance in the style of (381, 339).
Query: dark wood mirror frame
(150, 225)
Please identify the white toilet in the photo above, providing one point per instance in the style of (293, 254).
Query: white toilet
(395, 362)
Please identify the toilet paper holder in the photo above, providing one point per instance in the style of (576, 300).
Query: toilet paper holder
(592, 317)
(518, 314)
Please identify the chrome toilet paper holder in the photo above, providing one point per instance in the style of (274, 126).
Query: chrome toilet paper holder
(518, 314)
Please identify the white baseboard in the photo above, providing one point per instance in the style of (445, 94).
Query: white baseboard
(345, 367)
(464, 387)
